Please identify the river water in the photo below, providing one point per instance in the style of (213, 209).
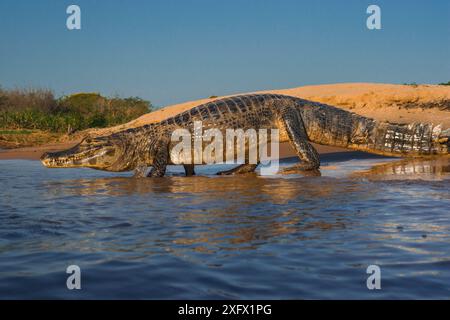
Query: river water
(209, 237)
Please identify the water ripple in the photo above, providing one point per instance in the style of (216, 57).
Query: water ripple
(227, 237)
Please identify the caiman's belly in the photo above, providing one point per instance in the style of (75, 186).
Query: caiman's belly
(210, 150)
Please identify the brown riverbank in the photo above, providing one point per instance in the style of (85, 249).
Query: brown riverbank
(384, 102)
(34, 153)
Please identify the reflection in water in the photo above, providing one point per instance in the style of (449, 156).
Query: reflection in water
(227, 212)
(254, 237)
(243, 212)
(410, 169)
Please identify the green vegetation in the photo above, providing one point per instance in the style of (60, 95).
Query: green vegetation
(445, 83)
(40, 110)
(15, 132)
(27, 138)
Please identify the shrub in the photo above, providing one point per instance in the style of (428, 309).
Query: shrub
(21, 99)
(38, 109)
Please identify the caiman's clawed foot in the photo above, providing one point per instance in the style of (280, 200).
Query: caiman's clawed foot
(140, 172)
(303, 169)
(243, 168)
(154, 173)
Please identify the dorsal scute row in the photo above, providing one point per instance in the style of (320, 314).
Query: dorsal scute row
(220, 107)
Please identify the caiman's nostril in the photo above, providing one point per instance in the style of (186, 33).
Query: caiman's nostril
(44, 156)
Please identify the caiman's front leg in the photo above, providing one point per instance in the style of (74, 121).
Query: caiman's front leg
(160, 160)
(296, 131)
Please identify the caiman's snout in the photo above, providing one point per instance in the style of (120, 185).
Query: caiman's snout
(55, 159)
(45, 159)
(98, 153)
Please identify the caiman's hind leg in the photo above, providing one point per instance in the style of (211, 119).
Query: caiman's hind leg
(243, 168)
(296, 131)
(189, 170)
(160, 160)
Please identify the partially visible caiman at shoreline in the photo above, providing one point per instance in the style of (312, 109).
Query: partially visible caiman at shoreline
(299, 121)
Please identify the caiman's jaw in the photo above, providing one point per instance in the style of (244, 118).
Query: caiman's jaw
(96, 153)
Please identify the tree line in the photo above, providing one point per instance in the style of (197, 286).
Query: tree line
(39, 109)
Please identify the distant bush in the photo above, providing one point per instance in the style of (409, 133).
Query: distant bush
(22, 99)
(445, 84)
(412, 84)
(38, 109)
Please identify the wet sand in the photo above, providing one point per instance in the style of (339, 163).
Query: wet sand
(33, 153)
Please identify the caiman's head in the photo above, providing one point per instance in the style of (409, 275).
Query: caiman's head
(102, 153)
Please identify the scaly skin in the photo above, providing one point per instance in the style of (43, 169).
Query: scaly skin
(299, 121)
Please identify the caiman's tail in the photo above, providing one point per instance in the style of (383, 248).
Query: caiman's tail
(391, 139)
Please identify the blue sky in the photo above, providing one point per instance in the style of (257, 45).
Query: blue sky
(171, 51)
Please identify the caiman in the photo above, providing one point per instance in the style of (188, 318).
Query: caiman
(299, 121)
